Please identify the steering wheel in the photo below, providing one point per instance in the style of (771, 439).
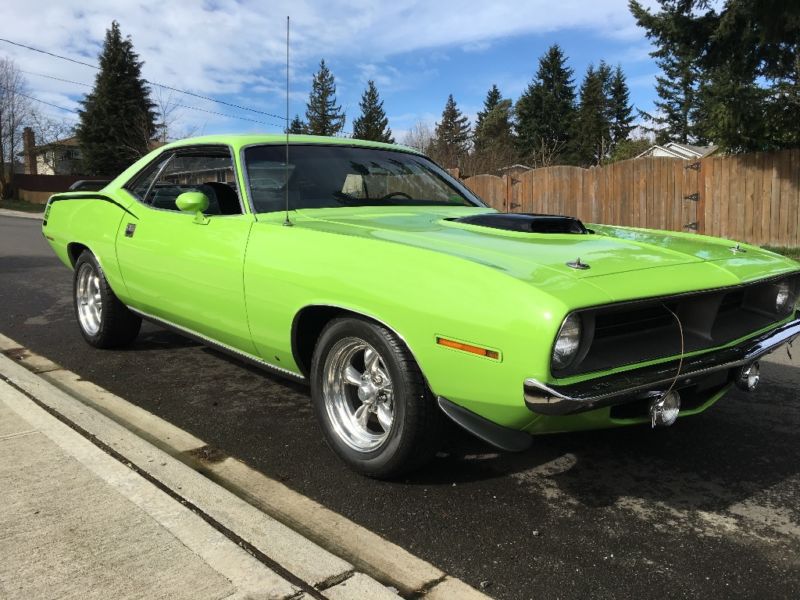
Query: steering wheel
(393, 194)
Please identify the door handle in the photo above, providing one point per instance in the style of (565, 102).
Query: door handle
(130, 228)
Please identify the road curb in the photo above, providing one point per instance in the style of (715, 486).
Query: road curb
(5, 212)
(353, 544)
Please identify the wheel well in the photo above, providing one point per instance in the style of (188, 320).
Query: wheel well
(74, 250)
(308, 325)
(306, 329)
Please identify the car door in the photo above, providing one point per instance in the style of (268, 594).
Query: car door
(187, 269)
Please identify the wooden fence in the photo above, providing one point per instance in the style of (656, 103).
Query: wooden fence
(748, 197)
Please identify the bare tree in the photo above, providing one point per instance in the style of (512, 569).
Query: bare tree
(48, 132)
(420, 136)
(170, 125)
(546, 152)
(15, 109)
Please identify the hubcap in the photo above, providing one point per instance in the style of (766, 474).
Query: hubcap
(89, 301)
(358, 394)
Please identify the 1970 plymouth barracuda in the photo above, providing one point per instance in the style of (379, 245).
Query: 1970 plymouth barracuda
(402, 298)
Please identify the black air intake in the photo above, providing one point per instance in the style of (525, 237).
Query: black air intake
(526, 223)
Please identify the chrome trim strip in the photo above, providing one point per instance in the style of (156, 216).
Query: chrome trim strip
(218, 345)
(563, 400)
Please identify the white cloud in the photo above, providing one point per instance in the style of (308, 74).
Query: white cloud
(230, 47)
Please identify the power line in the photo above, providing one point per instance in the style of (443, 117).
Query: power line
(161, 85)
(211, 112)
(203, 110)
(55, 78)
(72, 110)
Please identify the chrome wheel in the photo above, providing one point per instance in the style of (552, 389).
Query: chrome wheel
(88, 299)
(358, 394)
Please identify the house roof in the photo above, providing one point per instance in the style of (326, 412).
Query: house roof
(516, 166)
(676, 150)
(70, 141)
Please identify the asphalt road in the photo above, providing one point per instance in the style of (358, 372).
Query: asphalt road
(707, 508)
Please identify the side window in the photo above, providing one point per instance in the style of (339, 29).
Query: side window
(140, 184)
(209, 171)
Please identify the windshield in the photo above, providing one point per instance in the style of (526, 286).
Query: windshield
(333, 176)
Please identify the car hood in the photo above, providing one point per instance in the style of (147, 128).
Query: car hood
(610, 252)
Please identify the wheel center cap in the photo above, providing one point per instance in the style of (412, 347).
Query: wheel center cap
(367, 392)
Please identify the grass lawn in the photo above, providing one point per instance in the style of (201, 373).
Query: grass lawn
(22, 205)
(789, 252)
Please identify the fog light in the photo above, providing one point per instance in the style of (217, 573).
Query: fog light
(783, 298)
(664, 409)
(748, 377)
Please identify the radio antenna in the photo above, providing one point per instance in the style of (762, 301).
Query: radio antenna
(286, 221)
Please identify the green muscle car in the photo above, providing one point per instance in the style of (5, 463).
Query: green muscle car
(403, 300)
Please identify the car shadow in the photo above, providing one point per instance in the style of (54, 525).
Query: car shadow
(155, 338)
(745, 444)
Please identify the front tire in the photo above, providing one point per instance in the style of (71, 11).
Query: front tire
(104, 321)
(371, 400)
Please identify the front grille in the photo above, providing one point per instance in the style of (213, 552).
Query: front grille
(635, 332)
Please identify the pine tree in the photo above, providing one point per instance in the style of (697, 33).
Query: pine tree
(451, 141)
(323, 115)
(117, 119)
(297, 126)
(372, 124)
(493, 139)
(546, 110)
(592, 125)
(620, 111)
(493, 98)
(728, 71)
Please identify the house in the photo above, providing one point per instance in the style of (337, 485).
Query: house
(516, 169)
(676, 150)
(62, 157)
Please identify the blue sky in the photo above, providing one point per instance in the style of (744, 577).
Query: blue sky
(417, 51)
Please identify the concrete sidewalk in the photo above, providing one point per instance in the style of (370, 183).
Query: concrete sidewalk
(80, 519)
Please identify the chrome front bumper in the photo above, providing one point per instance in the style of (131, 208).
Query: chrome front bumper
(628, 386)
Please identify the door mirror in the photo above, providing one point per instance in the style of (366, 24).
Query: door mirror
(192, 202)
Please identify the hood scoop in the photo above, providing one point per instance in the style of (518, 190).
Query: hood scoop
(525, 222)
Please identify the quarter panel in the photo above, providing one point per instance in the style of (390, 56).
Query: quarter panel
(93, 223)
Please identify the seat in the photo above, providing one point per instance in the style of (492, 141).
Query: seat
(227, 198)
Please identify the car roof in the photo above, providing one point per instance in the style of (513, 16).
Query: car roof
(240, 140)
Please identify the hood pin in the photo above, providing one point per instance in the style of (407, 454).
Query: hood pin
(737, 249)
(577, 264)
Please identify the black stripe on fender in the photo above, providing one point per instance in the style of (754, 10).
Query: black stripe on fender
(102, 197)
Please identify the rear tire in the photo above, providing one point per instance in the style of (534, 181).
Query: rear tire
(104, 321)
(371, 400)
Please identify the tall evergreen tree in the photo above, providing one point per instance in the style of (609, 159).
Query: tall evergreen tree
(117, 118)
(493, 138)
(323, 115)
(620, 111)
(545, 111)
(297, 126)
(726, 67)
(592, 124)
(451, 141)
(493, 98)
(372, 124)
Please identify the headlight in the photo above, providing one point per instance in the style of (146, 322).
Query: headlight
(783, 298)
(568, 342)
